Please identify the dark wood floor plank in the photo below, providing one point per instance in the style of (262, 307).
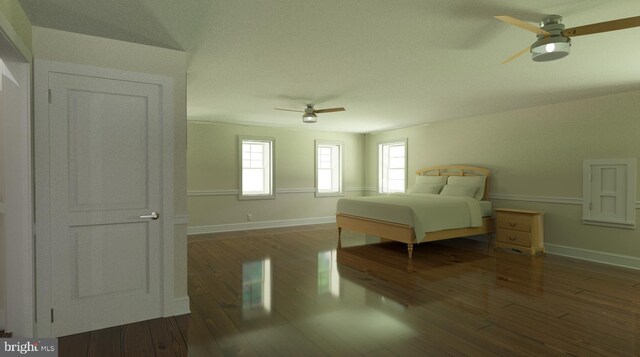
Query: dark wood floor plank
(201, 342)
(105, 342)
(137, 341)
(167, 339)
(74, 345)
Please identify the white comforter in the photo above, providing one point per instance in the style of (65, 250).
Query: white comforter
(425, 212)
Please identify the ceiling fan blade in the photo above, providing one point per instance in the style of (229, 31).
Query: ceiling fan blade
(329, 110)
(524, 50)
(606, 26)
(523, 25)
(290, 110)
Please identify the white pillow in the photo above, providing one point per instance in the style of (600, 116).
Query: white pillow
(422, 187)
(440, 180)
(458, 190)
(475, 181)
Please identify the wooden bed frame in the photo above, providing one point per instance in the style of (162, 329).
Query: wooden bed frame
(405, 233)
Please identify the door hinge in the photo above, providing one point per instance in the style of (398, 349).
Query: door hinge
(49, 96)
(51, 315)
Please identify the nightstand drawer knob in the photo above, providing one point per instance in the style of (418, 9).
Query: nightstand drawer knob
(512, 238)
(512, 224)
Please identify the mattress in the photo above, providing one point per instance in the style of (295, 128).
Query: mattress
(424, 212)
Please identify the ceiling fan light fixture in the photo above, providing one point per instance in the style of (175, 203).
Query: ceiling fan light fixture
(309, 118)
(550, 48)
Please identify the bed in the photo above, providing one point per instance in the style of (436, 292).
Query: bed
(427, 213)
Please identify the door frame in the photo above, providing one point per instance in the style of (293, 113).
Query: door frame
(42, 68)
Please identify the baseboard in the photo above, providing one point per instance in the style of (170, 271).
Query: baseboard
(594, 256)
(181, 305)
(259, 225)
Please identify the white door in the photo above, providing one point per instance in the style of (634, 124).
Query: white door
(105, 182)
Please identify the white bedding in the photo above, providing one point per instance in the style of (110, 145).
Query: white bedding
(425, 212)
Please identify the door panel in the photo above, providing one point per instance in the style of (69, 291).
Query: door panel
(105, 169)
(99, 152)
(110, 259)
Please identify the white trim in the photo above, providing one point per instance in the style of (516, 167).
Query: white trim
(355, 189)
(278, 191)
(181, 305)
(18, 254)
(213, 193)
(12, 36)
(259, 225)
(42, 68)
(625, 225)
(545, 199)
(296, 190)
(593, 256)
(181, 219)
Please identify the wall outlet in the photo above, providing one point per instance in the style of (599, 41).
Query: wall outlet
(249, 217)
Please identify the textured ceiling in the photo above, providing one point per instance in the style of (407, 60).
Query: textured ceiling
(389, 63)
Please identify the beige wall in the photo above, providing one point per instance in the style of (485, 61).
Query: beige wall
(535, 152)
(213, 175)
(94, 51)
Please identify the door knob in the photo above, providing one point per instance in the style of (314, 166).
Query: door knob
(153, 215)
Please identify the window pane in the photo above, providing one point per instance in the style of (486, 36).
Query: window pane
(396, 185)
(253, 181)
(395, 163)
(328, 168)
(324, 180)
(256, 167)
(392, 167)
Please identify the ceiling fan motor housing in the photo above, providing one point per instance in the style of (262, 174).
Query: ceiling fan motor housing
(309, 115)
(553, 46)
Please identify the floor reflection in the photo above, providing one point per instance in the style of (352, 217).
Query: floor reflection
(256, 288)
(328, 277)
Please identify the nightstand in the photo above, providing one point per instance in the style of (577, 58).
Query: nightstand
(520, 230)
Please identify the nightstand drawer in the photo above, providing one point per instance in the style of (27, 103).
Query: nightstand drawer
(514, 221)
(513, 237)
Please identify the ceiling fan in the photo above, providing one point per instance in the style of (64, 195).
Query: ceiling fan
(554, 41)
(309, 115)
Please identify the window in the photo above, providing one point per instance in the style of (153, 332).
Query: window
(609, 192)
(328, 168)
(391, 166)
(256, 174)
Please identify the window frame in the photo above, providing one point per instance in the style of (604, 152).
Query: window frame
(625, 189)
(272, 157)
(334, 144)
(382, 187)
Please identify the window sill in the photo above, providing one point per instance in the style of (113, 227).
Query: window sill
(613, 224)
(256, 197)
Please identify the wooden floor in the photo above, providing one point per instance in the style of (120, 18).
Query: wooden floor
(289, 292)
